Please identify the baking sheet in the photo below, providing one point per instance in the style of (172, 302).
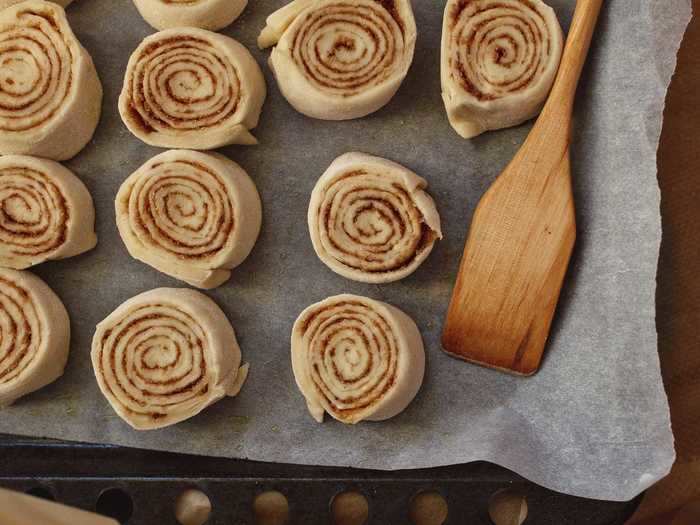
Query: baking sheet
(594, 422)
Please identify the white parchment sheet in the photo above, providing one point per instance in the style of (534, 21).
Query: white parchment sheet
(594, 422)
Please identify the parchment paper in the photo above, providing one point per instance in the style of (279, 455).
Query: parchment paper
(594, 422)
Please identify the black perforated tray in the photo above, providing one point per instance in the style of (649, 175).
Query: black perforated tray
(77, 474)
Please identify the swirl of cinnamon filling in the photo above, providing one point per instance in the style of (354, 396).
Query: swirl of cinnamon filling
(164, 356)
(499, 60)
(46, 212)
(35, 335)
(340, 59)
(205, 14)
(50, 96)
(191, 88)
(357, 359)
(194, 216)
(370, 219)
(8, 3)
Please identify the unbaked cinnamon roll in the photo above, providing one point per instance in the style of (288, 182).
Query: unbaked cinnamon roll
(35, 335)
(371, 220)
(8, 3)
(164, 356)
(340, 59)
(50, 95)
(357, 359)
(205, 14)
(46, 212)
(191, 215)
(499, 60)
(191, 88)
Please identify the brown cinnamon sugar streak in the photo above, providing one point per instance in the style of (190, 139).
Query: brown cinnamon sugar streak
(29, 189)
(358, 71)
(485, 26)
(20, 314)
(34, 335)
(356, 359)
(192, 56)
(133, 374)
(498, 62)
(192, 215)
(189, 88)
(351, 198)
(349, 318)
(165, 355)
(169, 181)
(36, 104)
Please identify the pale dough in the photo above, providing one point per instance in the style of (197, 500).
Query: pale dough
(192, 215)
(47, 212)
(50, 95)
(215, 90)
(205, 14)
(8, 3)
(356, 359)
(499, 61)
(164, 356)
(340, 59)
(35, 335)
(370, 219)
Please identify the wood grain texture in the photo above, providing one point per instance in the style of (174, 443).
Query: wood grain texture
(522, 234)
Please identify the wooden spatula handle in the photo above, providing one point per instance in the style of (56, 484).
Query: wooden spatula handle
(578, 42)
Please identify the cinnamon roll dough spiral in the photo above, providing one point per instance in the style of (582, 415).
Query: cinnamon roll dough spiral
(8, 3)
(191, 215)
(46, 212)
(35, 335)
(357, 359)
(191, 88)
(499, 60)
(340, 59)
(205, 14)
(50, 95)
(164, 356)
(370, 219)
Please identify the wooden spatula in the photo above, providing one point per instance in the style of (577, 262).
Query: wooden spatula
(522, 234)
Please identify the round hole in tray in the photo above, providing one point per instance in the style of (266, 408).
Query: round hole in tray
(508, 507)
(428, 508)
(115, 503)
(192, 507)
(42, 492)
(349, 508)
(271, 508)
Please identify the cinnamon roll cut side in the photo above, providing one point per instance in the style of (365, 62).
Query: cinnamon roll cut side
(46, 212)
(191, 215)
(340, 59)
(8, 3)
(50, 95)
(356, 359)
(35, 335)
(191, 88)
(499, 61)
(205, 14)
(371, 220)
(164, 356)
